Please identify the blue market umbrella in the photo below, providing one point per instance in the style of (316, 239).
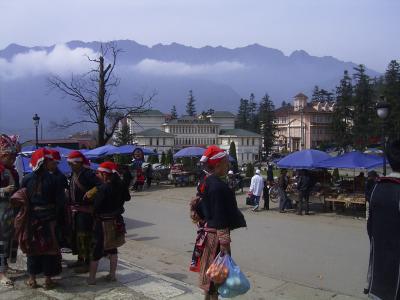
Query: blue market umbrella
(99, 152)
(305, 159)
(128, 149)
(352, 160)
(190, 152)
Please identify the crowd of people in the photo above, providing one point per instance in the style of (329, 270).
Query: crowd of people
(48, 211)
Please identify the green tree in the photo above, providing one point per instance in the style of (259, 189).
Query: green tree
(163, 158)
(233, 154)
(266, 114)
(321, 95)
(283, 104)
(249, 170)
(170, 158)
(174, 113)
(242, 120)
(342, 117)
(365, 119)
(191, 105)
(391, 91)
(123, 136)
(254, 124)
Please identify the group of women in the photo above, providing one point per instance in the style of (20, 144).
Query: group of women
(46, 210)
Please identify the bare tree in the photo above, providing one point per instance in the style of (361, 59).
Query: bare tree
(93, 93)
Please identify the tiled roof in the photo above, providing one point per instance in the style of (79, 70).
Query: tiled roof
(301, 95)
(154, 132)
(151, 112)
(223, 114)
(238, 132)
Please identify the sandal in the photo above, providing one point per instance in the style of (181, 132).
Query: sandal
(110, 278)
(49, 285)
(31, 284)
(6, 282)
(91, 282)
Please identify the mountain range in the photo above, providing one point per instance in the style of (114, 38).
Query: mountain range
(218, 77)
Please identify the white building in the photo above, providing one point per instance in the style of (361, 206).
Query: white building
(248, 144)
(156, 139)
(139, 122)
(152, 130)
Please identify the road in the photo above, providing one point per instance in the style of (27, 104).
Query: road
(327, 252)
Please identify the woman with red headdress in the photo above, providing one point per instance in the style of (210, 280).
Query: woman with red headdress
(109, 227)
(218, 208)
(9, 182)
(36, 221)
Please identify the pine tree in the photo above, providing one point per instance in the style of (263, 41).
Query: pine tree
(267, 118)
(343, 115)
(254, 124)
(123, 136)
(191, 106)
(315, 95)
(170, 158)
(163, 158)
(242, 120)
(365, 119)
(391, 91)
(284, 104)
(174, 113)
(233, 154)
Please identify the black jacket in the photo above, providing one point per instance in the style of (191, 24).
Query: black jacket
(218, 206)
(384, 228)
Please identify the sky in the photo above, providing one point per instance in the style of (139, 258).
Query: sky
(361, 31)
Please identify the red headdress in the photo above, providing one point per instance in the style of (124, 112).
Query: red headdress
(8, 144)
(38, 158)
(55, 155)
(107, 167)
(77, 157)
(213, 155)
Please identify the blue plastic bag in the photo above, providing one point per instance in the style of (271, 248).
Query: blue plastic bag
(236, 284)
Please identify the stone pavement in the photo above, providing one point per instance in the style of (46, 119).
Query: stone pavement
(135, 282)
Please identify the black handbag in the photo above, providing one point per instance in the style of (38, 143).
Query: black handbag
(250, 200)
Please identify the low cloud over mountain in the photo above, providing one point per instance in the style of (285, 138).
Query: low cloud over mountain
(218, 76)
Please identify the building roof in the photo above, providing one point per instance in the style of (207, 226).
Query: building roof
(223, 114)
(150, 112)
(190, 120)
(301, 95)
(154, 132)
(238, 132)
(289, 110)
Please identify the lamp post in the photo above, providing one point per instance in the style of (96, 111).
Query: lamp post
(36, 120)
(383, 111)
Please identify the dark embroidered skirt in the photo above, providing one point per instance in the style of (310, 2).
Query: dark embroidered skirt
(49, 265)
(210, 252)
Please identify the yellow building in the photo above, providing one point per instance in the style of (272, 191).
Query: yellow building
(303, 124)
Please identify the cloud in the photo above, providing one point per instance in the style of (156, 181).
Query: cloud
(156, 67)
(61, 60)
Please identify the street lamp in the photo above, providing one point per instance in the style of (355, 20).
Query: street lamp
(383, 111)
(36, 120)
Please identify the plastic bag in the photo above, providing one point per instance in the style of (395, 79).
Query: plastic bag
(218, 270)
(236, 284)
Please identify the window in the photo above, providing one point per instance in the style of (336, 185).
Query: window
(163, 141)
(248, 143)
(252, 142)
(157, 142)
(151, 141)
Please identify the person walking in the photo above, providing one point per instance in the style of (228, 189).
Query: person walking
(283, 182)
(109, 226)
(149, 175)
(267, 186)
(256, 188)
(82, 189)
(36, 222)
(304, 188)
(218, 209)
(383, 228)
(9, 183)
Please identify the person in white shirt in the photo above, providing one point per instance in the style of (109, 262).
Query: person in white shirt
(256, 188)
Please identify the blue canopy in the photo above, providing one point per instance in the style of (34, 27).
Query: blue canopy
(352, 160)
(100, 151)
(189, 152)
(305, 159)
(128, 149)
